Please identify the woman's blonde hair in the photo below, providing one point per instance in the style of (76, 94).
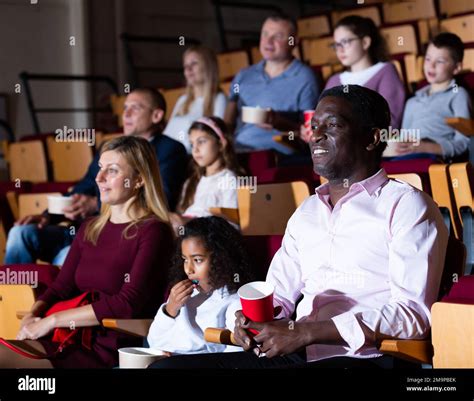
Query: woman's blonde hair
(149, 198)
(211, 81)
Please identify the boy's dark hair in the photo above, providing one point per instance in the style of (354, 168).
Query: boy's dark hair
(452, 42)
(281, 16)
(369, 109)
(363, 26)
(230, 265)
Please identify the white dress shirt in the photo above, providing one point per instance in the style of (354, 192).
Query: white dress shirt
(185, 333)
(372, 264)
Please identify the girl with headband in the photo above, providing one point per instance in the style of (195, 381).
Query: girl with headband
(213, 180)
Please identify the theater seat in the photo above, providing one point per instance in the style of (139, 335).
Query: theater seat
(12, 298)
(27, 161)
(45, 274)
(453, 328)
(261, 249)
(442, 194)
(462, 186)
(288, 174)
(21, 285)
(257, 161)
(371, 11)
(33, 204)
(418, 166)
(421, 351)
(266, 209)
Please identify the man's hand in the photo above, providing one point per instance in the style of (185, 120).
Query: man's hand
(243, 338)
(280, 337)
(38, 219)
(82, 206)
(268, 124)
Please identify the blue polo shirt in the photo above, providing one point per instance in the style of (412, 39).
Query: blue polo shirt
(427, 113)
(292, 92)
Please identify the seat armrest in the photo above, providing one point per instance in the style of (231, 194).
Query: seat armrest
(464, 125)
(419, 351)
(227, 213)
(219, 336)
(134, 327)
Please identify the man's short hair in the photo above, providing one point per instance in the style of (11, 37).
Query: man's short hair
(451, 42)
(280, 16)
(369, 109)
(157, 100)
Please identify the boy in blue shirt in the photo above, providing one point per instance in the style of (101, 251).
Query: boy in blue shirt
(427, 110)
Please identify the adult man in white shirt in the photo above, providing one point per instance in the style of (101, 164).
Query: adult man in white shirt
(361, 260)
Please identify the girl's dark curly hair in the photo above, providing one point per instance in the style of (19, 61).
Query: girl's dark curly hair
(230, 265)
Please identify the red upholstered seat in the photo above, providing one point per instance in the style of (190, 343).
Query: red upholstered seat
(8, 186)
(418, 166)
(261, 249)
(258, 161)
(46, 274)
(461, 292)
(289, 174)
(45, 187)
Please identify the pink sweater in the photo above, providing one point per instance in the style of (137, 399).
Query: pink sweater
(388, 84)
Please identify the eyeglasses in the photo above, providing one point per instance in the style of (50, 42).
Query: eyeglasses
(343, 44)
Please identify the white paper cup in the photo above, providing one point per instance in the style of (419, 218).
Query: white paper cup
(254, 115)
(56, 204)
(138, 357)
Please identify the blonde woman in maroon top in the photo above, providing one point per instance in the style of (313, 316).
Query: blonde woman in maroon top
(121, 255)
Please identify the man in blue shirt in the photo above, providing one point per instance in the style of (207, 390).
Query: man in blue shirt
(34, 237)
(279, 82)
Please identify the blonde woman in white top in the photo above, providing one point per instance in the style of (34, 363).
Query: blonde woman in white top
(203, 96)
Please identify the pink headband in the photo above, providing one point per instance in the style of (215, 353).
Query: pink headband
(211, 124)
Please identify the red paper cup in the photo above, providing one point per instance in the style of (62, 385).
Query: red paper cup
(308, 115)
(257, 301)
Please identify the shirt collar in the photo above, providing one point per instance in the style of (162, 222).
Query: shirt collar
(291, 70)
(425, 90)
(370, 184)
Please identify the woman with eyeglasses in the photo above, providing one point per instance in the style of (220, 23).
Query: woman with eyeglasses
(361, 49)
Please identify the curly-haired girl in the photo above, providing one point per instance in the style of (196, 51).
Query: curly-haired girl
(210, 265)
